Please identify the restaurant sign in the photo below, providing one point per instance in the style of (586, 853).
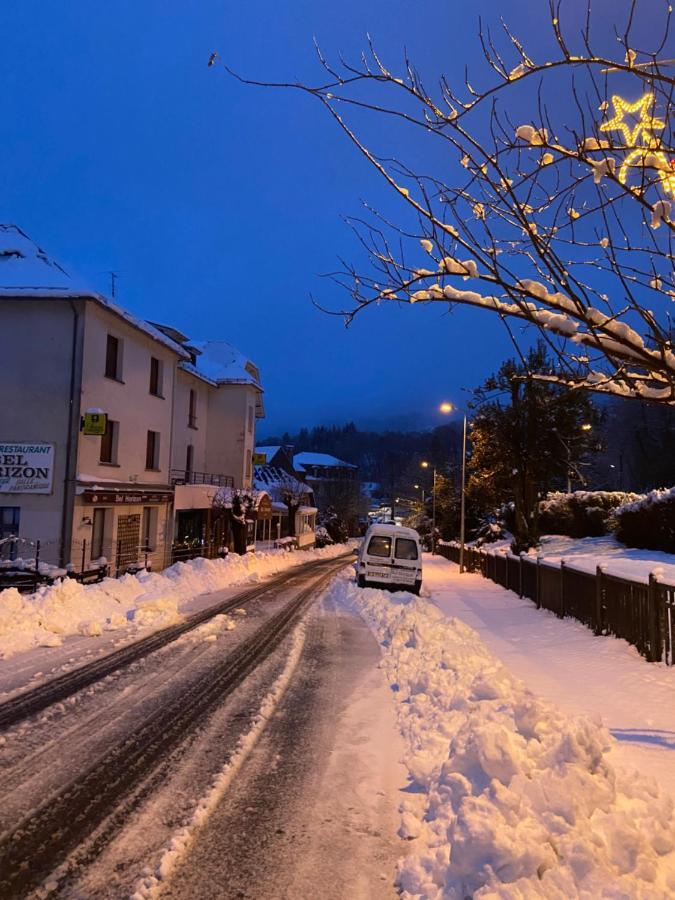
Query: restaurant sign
(26, 468)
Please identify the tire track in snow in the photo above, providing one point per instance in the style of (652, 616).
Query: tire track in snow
(38, 845)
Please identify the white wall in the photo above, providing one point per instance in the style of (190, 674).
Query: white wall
(182, 433)
(130, 403)
(36, 342)
(230, 443)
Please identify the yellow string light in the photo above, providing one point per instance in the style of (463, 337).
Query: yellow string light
(641, 139)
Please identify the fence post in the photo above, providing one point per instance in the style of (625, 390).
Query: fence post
(118, 560)
(538, 598)
(84, 553)
(655, 653)
(562, 589)
(520, 574)
(37, 558)
(598, 600)
(506, 571)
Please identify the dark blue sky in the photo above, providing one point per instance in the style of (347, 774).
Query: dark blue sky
(218, 204)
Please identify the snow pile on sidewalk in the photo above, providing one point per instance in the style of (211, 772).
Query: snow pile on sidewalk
(519, 800)
(147, 600)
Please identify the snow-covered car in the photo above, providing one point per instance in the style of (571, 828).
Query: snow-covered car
(390, 556)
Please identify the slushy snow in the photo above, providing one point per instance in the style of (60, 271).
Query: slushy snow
(519, 799)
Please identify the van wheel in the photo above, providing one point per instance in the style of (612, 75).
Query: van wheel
(361, 581)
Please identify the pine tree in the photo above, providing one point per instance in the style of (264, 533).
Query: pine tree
(527, 437)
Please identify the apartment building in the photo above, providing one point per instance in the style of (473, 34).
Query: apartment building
(109, 426)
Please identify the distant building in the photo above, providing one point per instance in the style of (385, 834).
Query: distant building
(110, 423)
(335, 484)
(290, 497)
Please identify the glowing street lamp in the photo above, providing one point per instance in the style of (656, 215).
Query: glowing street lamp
(447, 407)
(425, 465)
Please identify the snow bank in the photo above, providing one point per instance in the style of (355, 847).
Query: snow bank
(147, 600)
(519, 799)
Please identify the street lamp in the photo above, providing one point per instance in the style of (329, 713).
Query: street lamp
(585, 426)
(425, 465)
(447, 407)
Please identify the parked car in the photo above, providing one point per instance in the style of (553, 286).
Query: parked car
(390, 556)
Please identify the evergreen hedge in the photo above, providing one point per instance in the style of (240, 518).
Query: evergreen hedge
(648, 523)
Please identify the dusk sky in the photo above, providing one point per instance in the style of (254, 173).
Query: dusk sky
(218, 204)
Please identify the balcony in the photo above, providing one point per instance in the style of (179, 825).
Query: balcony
(184, 476)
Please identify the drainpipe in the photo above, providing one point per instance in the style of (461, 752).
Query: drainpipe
(70, 470)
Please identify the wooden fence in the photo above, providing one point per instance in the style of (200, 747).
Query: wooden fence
(640, 613)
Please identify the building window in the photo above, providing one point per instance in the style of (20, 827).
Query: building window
(248, 465)
(109, 441)
(156, 379)
(98, 533)
(113, 358)
(152, 451)
(189, 462)
(192, 410)
(251, 418)
(149, 529)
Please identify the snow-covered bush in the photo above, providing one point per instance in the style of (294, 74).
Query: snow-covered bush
(648, 521)
(582, 513)
(322, 537)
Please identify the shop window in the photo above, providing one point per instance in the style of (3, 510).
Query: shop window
(98, 533)
(113, 358)
(109, 442)
(189, 462)
(192, 410)
(251, 419)
(156, 377)
(9, 527)
(152, 451)
(149, 528)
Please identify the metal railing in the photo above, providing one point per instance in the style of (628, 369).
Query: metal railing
(642, 613)
(185, 476)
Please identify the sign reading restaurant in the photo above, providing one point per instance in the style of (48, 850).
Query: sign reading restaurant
(26, 468)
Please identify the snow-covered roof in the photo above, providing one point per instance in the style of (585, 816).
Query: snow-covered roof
(270, 452)
(300, 460)
(27, 271)
(224, 364)
(275, 480)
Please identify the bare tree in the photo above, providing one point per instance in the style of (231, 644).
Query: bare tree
(565, 227)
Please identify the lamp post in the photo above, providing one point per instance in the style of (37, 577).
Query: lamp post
(447, 408)
(425, 465)
(586, 426)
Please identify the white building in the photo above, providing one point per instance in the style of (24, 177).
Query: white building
(68, 351)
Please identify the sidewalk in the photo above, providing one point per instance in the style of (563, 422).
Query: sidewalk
(566, 663)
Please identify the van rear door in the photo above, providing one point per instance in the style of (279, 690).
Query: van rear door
(406, 560)
(378, 557)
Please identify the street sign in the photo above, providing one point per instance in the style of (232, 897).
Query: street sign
(94, 423)
(259, 459)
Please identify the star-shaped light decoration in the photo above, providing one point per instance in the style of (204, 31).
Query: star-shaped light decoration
(641, 139)
(645, 126)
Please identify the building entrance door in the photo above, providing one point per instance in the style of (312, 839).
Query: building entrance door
(128, 540)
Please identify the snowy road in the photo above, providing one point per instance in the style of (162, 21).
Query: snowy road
(100, 789)
(314, 813)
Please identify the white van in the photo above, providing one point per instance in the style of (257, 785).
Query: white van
(390, 556)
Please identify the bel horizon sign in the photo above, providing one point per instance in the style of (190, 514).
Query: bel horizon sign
(26, 468)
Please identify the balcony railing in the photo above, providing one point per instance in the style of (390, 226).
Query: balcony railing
(185, 476)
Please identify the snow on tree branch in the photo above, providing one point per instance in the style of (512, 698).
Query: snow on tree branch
(561, 223)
